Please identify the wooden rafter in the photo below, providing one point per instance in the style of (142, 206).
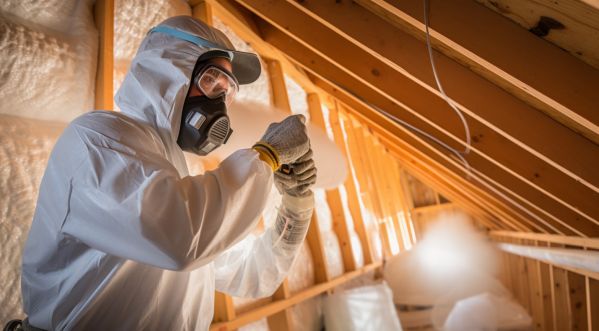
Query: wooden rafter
(104, 17)
(566, 215)
(540, 73)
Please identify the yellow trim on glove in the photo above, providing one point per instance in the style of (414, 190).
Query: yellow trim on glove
(265, 156)
(269, 153)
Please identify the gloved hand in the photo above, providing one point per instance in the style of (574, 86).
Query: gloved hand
(284, 142)
(297, 178)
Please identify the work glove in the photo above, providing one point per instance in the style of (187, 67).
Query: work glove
(297, 178)
(284, 142)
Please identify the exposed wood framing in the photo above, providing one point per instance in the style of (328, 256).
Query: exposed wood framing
(104, 19)
(333, 196)
(280, 305)
(580, 21)
(242, 23)
(563, 185)
(203, 11)
(349, 184)
(564, 240)
(556, 296)
(543, 83)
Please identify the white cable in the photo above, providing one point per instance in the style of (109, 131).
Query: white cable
(438, 81)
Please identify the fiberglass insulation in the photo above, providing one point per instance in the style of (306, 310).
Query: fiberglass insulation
(47, 71)
(25, 147)
(47, 62)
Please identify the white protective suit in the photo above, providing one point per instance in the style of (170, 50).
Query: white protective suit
(117, 208)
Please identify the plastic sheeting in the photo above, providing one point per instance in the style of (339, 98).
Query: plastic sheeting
(487, 312)
(48, 52)
(307, 315)
(363, 308)
(260, 325)
(301, 273)
(25, 147)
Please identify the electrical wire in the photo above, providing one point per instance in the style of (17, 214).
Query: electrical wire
(469, 171)
(438, 81)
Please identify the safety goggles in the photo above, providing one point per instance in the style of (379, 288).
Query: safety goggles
(215, 82)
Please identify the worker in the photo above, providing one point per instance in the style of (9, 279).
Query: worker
(123, 238)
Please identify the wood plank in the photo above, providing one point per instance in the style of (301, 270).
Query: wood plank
(594, 303)
(277, 306)
(578, 17)
(313, 237)
(542, 84)
(350, 186)
(279, 95)
(577, 302)
(546, 284)
(536, 294)
(557, 239)
(352, 155)
(372, 161)
(363, 32)
(516, 177)
(281, 320)
(394, 131)
(104, 19)
(563, 315)
(202, 10)
(396, 136)
(224, 310)
(334, 196)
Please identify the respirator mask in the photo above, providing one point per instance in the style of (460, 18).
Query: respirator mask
(204, 121)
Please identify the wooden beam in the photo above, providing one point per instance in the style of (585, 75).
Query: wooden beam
(333, 196)
(545, 83)
(241, 21)
(281, 320)
(578, 17)
(364, 33)
(314, 239)
(396, 136)
(577, 301)
(104, 19)
(224, 310)
(563, 187)
(202, 10)
(279, 95)
(350, 151)
(593, 299)
(563, 315)
(353, 201)
(277, 306)
(556, 239)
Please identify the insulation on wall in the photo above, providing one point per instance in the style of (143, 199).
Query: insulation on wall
(132, 20)
(25, 146)
(330, 241)
(47, 62)
(259, 91)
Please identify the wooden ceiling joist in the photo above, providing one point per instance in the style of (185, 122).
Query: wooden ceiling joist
(553, 181)
(305, 58)
(414, 152)
(523, 64)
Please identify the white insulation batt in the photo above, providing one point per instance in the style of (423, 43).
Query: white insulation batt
(25, 147)
(48, 52)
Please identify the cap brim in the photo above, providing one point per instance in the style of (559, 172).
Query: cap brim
(246, 67)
